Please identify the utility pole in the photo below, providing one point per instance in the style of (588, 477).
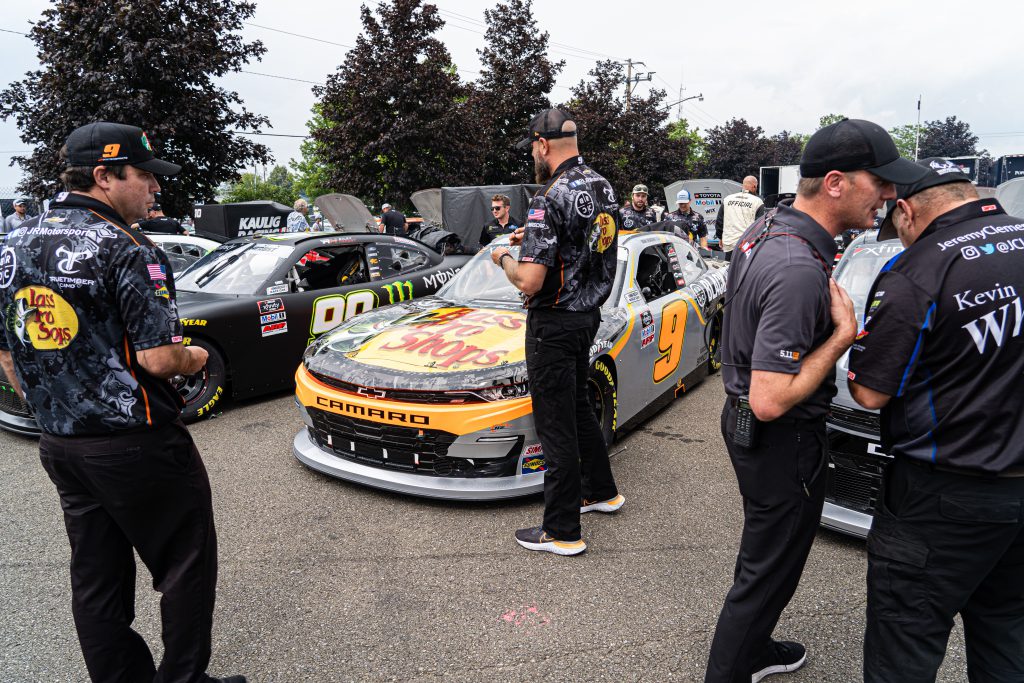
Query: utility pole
(632, 80)
(917, 131)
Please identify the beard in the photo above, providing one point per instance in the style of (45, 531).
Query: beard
(541, 171)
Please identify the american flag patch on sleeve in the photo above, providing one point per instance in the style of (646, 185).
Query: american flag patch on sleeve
(535, 215)
(156, 272)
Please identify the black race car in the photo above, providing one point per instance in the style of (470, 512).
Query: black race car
(256, 302)
(856, 462)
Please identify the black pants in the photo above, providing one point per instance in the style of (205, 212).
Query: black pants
(942, 544)
(148, 491)
(782, 481)
(557, 360)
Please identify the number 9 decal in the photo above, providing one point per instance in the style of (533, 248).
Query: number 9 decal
(670, 340)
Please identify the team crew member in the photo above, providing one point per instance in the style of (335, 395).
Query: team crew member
(502, 222)
(157, 221)
(786, 324)
(14, 221)
(636, 214)
(566, 268)
(689, 223)
(736, 214)
(91, 336)
(392, 221)
(942, 355)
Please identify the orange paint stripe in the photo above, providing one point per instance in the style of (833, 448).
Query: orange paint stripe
(128, 360)
(116, 226)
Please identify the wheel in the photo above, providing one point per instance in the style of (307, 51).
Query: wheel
(203, 391)
(603, 399)
(715, 346)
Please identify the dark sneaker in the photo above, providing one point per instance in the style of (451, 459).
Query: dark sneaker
(537, 539)
(781, 657)
(610, 505)
(229, 679)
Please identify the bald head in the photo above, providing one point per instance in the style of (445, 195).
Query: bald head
(568, 145)
(750, 184)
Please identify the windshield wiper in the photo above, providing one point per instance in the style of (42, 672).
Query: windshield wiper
(218, 268)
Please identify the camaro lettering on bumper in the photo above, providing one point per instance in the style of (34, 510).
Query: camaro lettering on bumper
(362, 411)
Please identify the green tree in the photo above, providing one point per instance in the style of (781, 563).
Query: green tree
(516, 78)
(905, 138)
(281, 177)
(151, 63)
(948, 138)
(251, 188)
(680, 130)
(394, 113)
(735, 150)
(311, 171)
(829, 119)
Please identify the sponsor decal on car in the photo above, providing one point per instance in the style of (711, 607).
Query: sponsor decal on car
(531, 465)
(274, 328)
(646, 336)
(194, 322)
(273, 317)
(270, 306)
(277, 289)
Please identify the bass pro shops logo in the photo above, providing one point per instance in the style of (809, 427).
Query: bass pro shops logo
(43, 319)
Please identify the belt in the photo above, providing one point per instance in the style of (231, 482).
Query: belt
(1010, 473)
(734, 402)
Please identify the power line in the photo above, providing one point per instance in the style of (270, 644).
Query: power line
(283, 78)
(19, 33)
(297, 35)
(267, 135)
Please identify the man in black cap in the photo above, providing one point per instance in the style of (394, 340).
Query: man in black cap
(942, 355)
(157, 221)
(90, 337)
(636, 214)
(566, 269)
(786, 324)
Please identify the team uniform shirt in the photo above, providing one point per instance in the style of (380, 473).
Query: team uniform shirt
(13, 222)
(737, 213)
(163, 225)
(637, 220)
(943, 337)
(80, 294)
(393, 222)
(689, 224)
(572, 228)
(495, 229)
(778, 304)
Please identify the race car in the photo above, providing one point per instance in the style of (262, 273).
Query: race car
(856, 462)
(183, 250)
(430, 397)
(256, 302)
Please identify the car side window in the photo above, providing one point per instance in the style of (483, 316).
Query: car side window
(655, 274)
(326, 267)
(691, 263)
(399, 258)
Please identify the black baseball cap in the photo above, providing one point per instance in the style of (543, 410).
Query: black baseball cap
(857, 145)
(938, 171)
(113, 144)
(547, 125)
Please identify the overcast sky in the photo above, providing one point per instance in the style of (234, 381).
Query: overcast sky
(777, 68)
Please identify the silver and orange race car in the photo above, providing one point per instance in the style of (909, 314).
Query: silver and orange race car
(430, 397)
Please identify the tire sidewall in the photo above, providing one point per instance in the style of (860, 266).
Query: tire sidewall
(208, 402)
(603, 379)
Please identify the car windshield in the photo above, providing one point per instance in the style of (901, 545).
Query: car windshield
(859, 268)
(236, 268)
(482, 280)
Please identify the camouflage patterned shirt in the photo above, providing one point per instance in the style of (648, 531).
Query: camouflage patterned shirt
(572, 228)
(637, 220)
(80, 294)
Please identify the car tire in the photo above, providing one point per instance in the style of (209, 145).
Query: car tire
(204, 391)
(604, 399)
(715, 346)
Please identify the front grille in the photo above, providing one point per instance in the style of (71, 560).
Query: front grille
(858, 420)
(408, 449)
(404, 395)
(10, 402)
(856, 476)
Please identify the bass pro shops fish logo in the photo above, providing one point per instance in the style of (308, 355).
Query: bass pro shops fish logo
(44, 319)
(602, 232)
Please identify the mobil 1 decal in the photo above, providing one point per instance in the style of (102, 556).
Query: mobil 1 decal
(273, 317)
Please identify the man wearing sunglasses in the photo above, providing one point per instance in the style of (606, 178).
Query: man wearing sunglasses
(501, 222)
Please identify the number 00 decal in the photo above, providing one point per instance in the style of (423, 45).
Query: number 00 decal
(670, 340)
(330, 311)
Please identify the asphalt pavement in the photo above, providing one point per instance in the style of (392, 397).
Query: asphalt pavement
(326, 581)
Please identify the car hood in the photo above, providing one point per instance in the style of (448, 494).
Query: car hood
(429, 344)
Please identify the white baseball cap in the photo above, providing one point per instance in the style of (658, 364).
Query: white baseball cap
(683, 196)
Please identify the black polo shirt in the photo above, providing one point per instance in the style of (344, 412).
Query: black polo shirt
(944, 336)
(394, 222)
(495, 229)
(81, 293)
(778, 304)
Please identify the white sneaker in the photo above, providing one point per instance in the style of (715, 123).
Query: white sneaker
(610, 505)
